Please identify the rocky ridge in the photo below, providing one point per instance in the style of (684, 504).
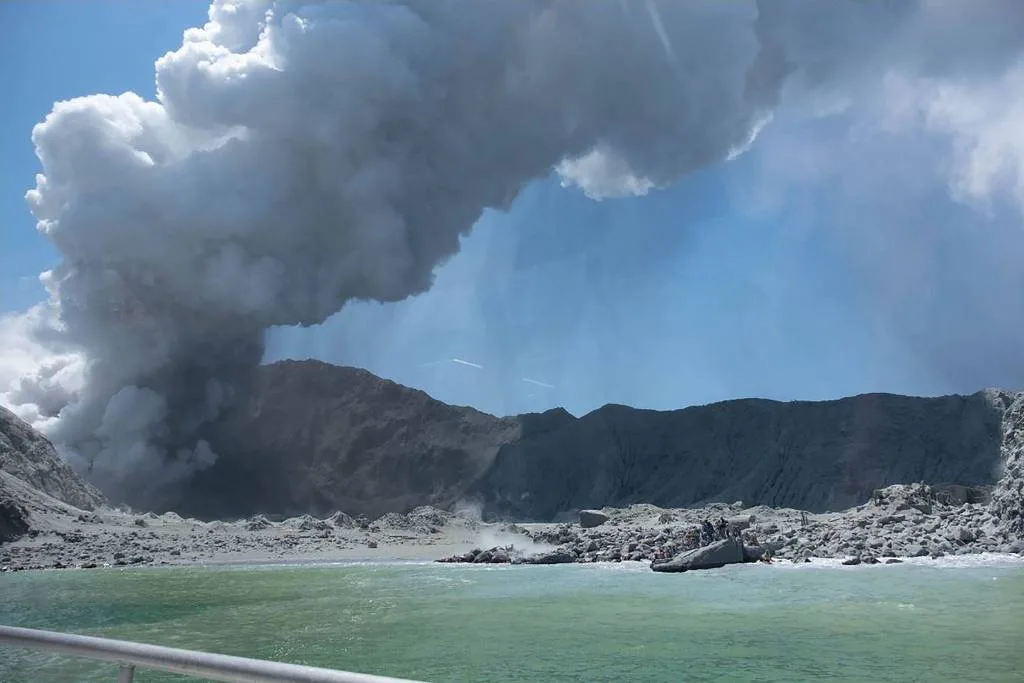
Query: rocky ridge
(1008, 493)
(51, 518)
(29, 456)
(316, 438)
(816, 456)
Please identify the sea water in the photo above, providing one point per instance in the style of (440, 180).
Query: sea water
(960, 619)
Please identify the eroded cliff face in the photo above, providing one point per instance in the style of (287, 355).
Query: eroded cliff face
(29, 456)
(34, 478)
(1008, 493)
(816, 456)
(315, 438)
(318, 437)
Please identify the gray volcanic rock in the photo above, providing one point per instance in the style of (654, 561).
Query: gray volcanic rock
(957, 494)
(558, 556)
(315, 438)
(1007, 499)
(257, 523)
(592, 518)
(738, 524)
(24, 509)
(753, 553)
(29, 456)
(816, 456)
(712, 556)
(14, 521)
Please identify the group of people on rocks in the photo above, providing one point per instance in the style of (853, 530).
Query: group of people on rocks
(708, 532)
(711, 532)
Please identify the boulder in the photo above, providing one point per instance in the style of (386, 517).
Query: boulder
(592, 518)
(465, 557)
(717, 554)
(753, 553)
(429, 517)
(958, 494)
(559, 556)
(257, 523)
(13, 520)
(1013, 547)
(738, 524)
(340, 520)
(310, 523)
(905, 497)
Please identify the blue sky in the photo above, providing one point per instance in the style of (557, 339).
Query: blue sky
(659, 301)
(91, 47)
(700, 292)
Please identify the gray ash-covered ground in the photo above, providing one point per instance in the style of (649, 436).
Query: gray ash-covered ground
(64, 537)
(900, 521)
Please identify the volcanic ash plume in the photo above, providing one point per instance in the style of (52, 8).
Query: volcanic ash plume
(301, 155)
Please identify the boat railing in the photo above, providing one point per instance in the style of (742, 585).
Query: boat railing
(128, 655)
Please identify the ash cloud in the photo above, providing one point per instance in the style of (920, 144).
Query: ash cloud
(302, 155)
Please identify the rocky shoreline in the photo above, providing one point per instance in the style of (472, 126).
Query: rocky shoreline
(51, 518)
(899, 521)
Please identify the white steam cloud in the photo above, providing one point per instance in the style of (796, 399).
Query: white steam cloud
(301, 155)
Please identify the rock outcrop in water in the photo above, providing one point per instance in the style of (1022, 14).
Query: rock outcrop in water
(711, 556)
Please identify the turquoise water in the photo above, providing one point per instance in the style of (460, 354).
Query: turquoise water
(558, 623)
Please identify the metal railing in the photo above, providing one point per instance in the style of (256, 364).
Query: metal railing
(185, 662)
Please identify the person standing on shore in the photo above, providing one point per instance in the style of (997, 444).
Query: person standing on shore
(707, 532)
(723, 529)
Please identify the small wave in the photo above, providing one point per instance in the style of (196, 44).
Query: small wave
(313, 563)
(947, 561)
(627, 566)
(901, 606)
(967, 561)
